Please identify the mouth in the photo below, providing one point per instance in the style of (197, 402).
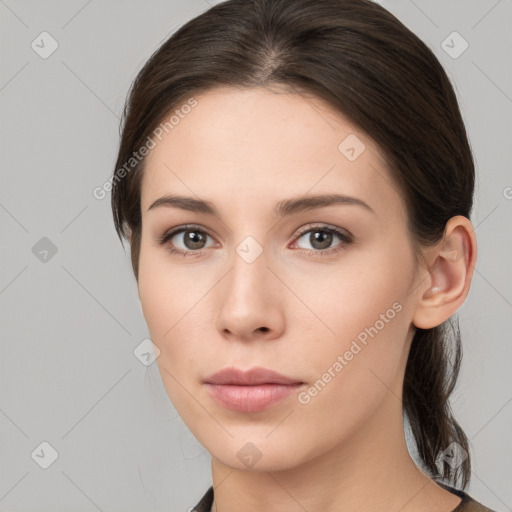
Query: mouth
(250, 391)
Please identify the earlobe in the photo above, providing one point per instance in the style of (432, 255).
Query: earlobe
(450, 267)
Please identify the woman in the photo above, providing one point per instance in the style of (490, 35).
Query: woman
(295, 181)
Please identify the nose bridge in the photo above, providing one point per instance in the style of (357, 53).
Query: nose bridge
(249, 268)
(248, 302)
(249, 250)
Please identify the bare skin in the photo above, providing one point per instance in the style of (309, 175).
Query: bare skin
(343, 448)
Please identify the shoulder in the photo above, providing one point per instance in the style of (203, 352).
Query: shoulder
(471, 505)
(468, 503)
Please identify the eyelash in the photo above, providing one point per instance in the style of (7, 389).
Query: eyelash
(345, 238)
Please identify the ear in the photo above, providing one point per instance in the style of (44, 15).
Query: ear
(447, 278)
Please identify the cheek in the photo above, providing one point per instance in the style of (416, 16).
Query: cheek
(360, 293)
(169, 315)
(353, 372)
(167, 292)
(172, 300)
(365, 319)
(364, 356)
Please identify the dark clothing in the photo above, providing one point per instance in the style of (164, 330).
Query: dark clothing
(468, 504)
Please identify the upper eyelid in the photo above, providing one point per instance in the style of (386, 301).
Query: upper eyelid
(323, 226)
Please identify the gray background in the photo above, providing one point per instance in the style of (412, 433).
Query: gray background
(71, 320)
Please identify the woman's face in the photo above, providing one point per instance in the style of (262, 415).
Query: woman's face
(323, 294)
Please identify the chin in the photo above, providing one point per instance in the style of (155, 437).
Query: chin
(258, 453)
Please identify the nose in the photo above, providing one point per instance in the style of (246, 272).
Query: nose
(251, 299)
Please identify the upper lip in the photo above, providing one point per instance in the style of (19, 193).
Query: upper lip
(252, 377)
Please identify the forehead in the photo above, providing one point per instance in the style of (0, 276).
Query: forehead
(256, 146)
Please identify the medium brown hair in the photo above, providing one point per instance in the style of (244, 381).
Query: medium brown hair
(363, 61)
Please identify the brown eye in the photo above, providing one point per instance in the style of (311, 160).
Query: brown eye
(321, 238)
(194, 239)
(185, 240)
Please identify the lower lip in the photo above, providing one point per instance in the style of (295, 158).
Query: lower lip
(250, 398)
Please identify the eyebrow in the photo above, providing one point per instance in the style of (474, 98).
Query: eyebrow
(283, 208)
